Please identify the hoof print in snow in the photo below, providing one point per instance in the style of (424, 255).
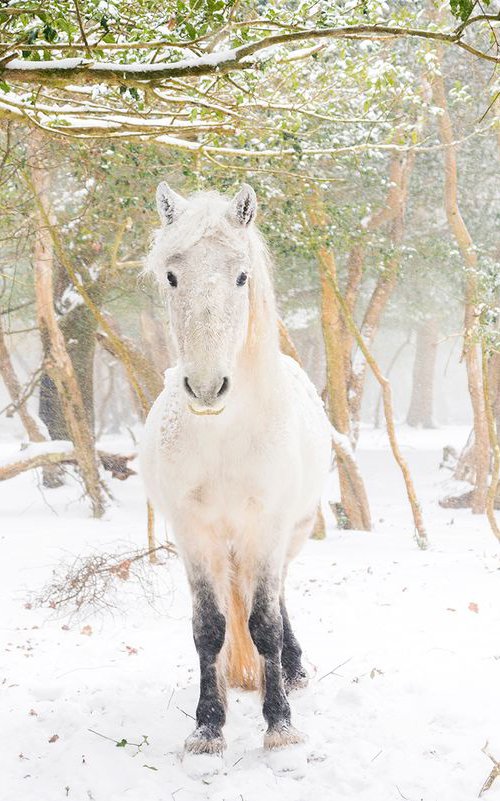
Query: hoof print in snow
(290, 762)
(202, 765)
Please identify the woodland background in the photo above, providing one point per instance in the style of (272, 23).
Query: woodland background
(371, 133)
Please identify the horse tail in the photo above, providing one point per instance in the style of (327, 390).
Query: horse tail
(244, 668)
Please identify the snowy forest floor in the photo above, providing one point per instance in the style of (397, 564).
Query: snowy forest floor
(402, 646)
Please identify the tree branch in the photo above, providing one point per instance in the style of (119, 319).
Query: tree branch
(84, 71)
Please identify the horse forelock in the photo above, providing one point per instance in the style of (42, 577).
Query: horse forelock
(206, 218)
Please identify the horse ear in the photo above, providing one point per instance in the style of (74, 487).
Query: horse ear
(244, 206)
(168, 203)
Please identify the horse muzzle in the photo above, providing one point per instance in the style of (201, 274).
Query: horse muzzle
(205, 398)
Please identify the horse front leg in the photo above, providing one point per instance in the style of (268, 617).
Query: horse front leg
(209, 629)
(266, 629)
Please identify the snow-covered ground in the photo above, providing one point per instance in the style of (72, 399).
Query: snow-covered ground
(402, 645)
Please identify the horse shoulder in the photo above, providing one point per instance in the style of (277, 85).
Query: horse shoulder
(303, 393)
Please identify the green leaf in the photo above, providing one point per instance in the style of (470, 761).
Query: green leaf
(50, 33)
(32, 35)
(121, 743)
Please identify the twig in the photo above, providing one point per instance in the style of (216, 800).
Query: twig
(494, 773)
(87, 582)
(123, 742)
(82, 29)
(185, 713)
(332, 672)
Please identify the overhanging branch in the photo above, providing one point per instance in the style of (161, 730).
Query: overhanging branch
(79, 71)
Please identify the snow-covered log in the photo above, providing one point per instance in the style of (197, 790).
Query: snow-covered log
(41, 454)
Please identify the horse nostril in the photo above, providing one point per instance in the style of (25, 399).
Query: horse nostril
(224, 386)
(188, 387)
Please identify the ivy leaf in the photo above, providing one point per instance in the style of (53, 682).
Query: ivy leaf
(50, 33)
(462, 9)
(32, 35)
(121, 743)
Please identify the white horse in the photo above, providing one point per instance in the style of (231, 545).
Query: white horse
(235, 453)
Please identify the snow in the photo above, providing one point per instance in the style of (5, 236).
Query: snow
(402, 647)
(358, 362)
(207, 60)
(21, 451)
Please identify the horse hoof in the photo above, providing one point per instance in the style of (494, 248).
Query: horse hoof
(202, 741)
(297, 682)
(281, 736)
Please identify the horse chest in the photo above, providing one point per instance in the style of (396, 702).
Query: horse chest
(230, 473)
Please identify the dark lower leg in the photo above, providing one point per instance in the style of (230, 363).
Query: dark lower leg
(266, 629)
(294, 675)
(209, 627)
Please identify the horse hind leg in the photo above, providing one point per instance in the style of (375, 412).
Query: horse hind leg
(209, 630)
(294, 674)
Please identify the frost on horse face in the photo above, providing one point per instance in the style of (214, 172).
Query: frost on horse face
(235, 453)
(202, 257)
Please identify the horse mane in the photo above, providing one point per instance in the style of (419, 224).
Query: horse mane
(206, 217)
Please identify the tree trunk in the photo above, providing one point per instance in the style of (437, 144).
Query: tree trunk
(420, 412)
(420, 533)
(57, 362)
(79, 330)
(136, 363)
(31, 425)
(469, 255)
(52, 473)
(400, 172)
(352, 490)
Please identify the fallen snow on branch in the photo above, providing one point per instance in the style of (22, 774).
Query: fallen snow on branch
(69, 64)
(34, 449)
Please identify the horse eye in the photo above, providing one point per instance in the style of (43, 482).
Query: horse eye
(242, 279)
(171, 278)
